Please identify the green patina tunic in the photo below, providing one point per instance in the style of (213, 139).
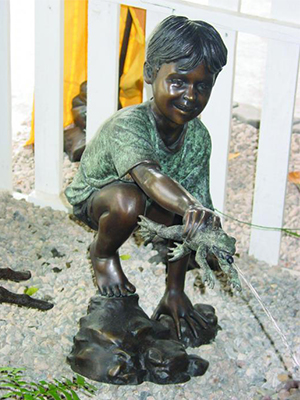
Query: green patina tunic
(130, 138)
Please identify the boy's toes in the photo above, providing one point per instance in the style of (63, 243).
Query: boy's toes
(116, 291)
(109, 291)
(102, 290)
(129, 286)
(123, 291)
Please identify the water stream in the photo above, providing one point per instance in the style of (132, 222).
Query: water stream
(270, 316)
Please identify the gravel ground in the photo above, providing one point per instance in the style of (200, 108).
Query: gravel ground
(247, 360)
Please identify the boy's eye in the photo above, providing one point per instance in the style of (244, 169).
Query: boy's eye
(202, 87)
(177, 82)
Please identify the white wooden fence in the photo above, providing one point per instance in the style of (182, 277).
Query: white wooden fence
(277, 112)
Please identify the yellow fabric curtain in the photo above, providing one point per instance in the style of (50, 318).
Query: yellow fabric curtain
(75, 57)
(131, 82)
(75, 52)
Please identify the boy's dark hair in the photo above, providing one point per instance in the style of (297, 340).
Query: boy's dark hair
(189, 43)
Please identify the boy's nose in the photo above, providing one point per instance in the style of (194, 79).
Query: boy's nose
(189, 93)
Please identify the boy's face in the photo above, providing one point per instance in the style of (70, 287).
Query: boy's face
(179, 97)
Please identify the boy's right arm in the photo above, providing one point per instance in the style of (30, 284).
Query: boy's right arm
(173, 197)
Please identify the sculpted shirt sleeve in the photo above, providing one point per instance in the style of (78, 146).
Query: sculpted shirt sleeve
(131, 144)
(122, 142)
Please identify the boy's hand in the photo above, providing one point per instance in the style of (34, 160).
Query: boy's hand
(177, 305)
(198, 217)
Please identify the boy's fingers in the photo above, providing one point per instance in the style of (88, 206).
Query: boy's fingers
(191, 324)
(204, 218)
(177, 326)
(192, 223)
(216, 224)
(188, 223)
(196, 222)
(199, 221)
(202, 321)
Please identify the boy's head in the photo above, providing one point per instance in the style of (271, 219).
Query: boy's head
(188, 43)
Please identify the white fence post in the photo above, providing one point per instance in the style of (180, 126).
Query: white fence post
(49, 39)
(217, 115)
(274, 142)
(5, 99)
(153, 18)
(103, 63)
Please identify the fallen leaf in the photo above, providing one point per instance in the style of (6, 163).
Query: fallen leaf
(233, 155)
(294, 177)
(31, 290)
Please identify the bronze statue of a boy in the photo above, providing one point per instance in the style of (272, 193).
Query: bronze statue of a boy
(153, 159)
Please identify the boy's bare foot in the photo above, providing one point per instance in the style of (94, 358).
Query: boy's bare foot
(110, 278)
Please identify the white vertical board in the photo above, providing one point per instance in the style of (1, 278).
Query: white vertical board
(5, 99)
(274, 141)
(103, 63)
(217, 119)
(153, 18)
(217, 115)
(274, 149)
(49, 39)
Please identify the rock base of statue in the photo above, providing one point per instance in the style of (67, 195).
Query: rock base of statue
(118, 343)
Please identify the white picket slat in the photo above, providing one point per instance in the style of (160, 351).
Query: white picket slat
(103, 63)
(5, 99)
(153, 18)
(274, 142)
(274, 149)
(49, 39)
(217, 115)
(217, 119)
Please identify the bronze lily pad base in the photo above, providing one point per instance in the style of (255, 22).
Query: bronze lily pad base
(118, 343)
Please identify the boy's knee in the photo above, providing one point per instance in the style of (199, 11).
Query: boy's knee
(130, 202)
(124, 201)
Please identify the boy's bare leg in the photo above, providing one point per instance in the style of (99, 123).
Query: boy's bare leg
(116, 208)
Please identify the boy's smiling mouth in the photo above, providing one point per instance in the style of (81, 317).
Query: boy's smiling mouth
(184, 108)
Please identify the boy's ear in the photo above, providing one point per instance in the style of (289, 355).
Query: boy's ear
(148, 73)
